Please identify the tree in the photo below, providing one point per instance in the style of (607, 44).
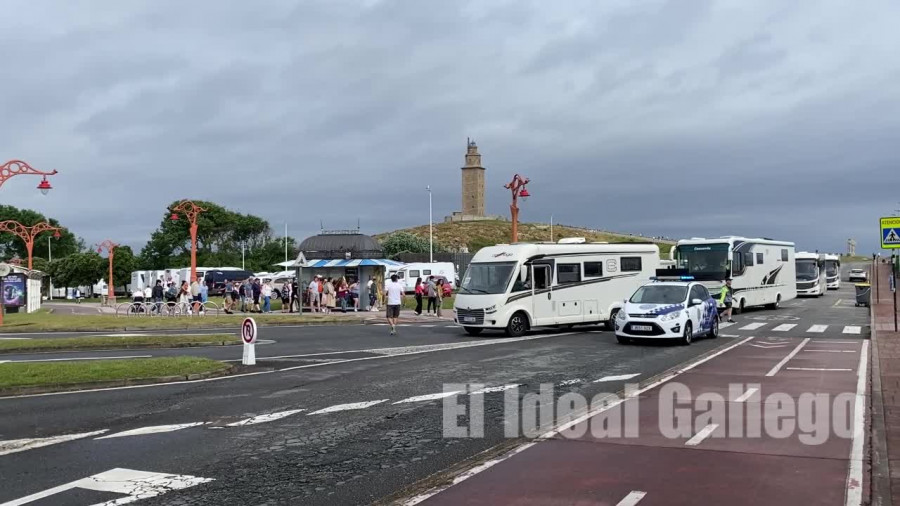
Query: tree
(12, 246)
(124, 263)
(80, 269)
(404, 242)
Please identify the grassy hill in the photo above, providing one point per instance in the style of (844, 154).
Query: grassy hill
(478, 234)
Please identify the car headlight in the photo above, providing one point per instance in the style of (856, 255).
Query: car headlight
(671, 316)
(620, 315)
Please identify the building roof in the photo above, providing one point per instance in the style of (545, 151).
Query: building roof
(337, 245)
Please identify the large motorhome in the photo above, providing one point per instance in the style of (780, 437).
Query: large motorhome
(520, 286)
(811, 278)
(762, 270)
(833, 271)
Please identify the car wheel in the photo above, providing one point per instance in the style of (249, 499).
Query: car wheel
(688, 336)
(623, 340)
(473, 331)
(517, 326)
(611, 323)
(714, 331)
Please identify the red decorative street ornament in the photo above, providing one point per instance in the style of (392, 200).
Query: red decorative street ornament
(45, 186)
(174, 217)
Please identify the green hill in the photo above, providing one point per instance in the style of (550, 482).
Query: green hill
(477, 234)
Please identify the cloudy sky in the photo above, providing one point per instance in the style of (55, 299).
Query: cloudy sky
(680, 118)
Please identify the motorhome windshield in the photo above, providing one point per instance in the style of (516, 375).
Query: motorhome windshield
(807, 270)
(487, 278)
(659, 294)
(831, 268)
(704, 261)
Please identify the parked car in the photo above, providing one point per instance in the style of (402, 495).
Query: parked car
(858, 275)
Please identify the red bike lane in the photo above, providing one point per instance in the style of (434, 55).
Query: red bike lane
(743, 427)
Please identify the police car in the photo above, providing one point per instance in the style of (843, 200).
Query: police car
(673, 307)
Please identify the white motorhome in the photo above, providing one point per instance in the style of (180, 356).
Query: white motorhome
(811, 278)
(520, 286)
(409, 273)
(833, 271)
(762, 270)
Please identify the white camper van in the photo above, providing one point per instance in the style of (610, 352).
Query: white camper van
(833, 271)
(520, 286)
(811, 278)
(762, 270)
(410, 272)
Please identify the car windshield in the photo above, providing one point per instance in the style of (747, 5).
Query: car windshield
(659, 294)
(807, 270)
(704, 261)
(487, 278)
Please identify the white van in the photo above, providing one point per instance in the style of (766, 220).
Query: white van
(520, 286)
(811, 278)
(409, 273)
(833, 271)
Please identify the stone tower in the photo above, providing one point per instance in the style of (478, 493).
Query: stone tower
(472, 182)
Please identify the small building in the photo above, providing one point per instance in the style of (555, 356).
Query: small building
(21, 289)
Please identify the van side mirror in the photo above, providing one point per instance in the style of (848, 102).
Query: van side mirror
(523, 274)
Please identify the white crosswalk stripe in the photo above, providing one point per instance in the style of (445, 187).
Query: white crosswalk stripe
(725, 325)
(852, 329)
(784, 327)
(818, 329)
(753, 326)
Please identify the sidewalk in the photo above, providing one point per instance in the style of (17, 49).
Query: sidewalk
(886, 394)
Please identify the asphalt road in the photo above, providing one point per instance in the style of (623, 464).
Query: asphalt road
(362, 434)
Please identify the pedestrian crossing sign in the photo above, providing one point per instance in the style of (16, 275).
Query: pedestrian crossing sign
(890, 232)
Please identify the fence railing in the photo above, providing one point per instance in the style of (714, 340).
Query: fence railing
(167, 309)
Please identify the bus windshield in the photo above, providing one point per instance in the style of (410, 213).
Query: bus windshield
(709, 262)
(487, 278)
(831, 268)
(807, 270)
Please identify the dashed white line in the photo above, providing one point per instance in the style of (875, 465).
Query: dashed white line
(632, 498)
(725, 325)
(830, 351)
(779, 365)
(570, 382)
(123, 357)
(20, 445)
(784, 327)
(852, 329)
(746, 395)
(271, 417)
(817, 329)
(156, 429)
(348, 407)
(491, 390)
(816, 369)
(429, 397)
(753, 326)
(704, 433)
(617, 378)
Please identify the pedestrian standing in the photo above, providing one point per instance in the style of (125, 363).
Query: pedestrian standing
(726, 297)
(267, 297)
(287, 298)
(371, 288)
(229, 301)
(313, 294)
(432, 296)
(157, 295)
(439, 295)
(343, 293)
(420, 290)
(328, 290)
(246, 295)
(204, 296)
(354, 294)
(257, 294)
(394, 292)
(184, 296)
(195, 296)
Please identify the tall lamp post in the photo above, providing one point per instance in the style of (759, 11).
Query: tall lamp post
(28, 234)
(191, 210)
(517, 187)
(110, 287)
(18, 168)
(430, 227)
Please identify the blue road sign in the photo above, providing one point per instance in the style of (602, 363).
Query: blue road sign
(890, 232)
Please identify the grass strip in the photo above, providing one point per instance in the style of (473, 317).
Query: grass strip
(116, 342)
(50, 374)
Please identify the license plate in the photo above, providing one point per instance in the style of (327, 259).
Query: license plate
(641, 327)
(468, 319)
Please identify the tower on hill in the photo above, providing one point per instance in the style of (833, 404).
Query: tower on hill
(472, 182)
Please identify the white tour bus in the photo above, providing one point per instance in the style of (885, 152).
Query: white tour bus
(520, 286)
(410, 272)
(761, 270)
(811, 278)
(833, 271)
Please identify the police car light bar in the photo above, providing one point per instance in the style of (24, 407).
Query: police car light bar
(672, 278)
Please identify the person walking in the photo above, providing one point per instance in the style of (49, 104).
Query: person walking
(432, 296)
(420, 290)
(157, 295)
(726, 297)
(246, 296)
(266, 291)
(394, 292)
(439, 295)
(229, 301)
(195, 296)
(204, 297)
(257, 293)
(372, 289)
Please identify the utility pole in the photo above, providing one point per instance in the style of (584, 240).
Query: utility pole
(430, 227)
(551, 228)
(285, 243)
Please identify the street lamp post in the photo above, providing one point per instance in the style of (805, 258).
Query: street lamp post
(191, 210)
(18, 168)
(110, 287)
(430, 227)
(28, 234)
(517, 187)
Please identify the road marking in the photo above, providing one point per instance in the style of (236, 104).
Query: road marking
(852, 329)
(429, 397)
(725, 325)
(491, 390)
(855, 474)
(271, 417)
(348, 407)
(122, 335)
(753, 326)
(779, 365)
(77, 358)
(590, 413)
(13, 338)
(570, 382)
(829, 341)
(632, 498)
(838, 303)
(427, 326)
(156, 429)
(746, 395)
(831, 351)
(784, 327)
(617, 378)
(20, 445)
(817, 328)
(136, 485)
(816, 369)
(767, 346)
(704, 433)
(729, 335)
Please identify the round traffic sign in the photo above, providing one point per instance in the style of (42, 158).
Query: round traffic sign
(248, 331)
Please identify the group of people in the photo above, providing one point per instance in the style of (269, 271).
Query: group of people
(434, 290)
(255, 296)
(194, 295)
(326, 293)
